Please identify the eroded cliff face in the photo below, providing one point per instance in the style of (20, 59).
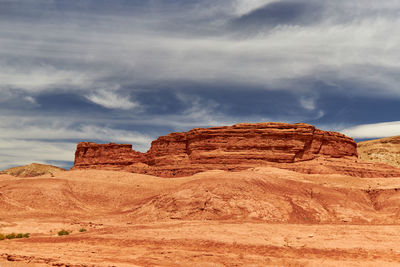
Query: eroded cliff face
(385, 150)
(105, 156)
(233, 148)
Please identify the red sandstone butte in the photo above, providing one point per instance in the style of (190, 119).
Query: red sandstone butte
(300, 147)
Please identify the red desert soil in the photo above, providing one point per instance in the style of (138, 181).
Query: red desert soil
(258, 217)
(312, 203)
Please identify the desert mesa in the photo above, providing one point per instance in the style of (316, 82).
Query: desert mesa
(260, 194)
(299, 147)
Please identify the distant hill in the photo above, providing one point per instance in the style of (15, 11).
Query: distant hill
(385, 150)
(32, 170)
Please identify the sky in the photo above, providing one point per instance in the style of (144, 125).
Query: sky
(128, 71)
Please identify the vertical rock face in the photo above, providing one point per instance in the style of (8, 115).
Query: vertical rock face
(385, 150)
(105, 156)
(234, 147)
(244, 145)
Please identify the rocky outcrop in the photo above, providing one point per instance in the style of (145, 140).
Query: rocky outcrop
(233, 148)
(105, 156)
(385, 150)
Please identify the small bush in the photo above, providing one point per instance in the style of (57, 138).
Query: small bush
(10, 236)
(13, 235)
(20, 235)
(82, 230)
(63, 232)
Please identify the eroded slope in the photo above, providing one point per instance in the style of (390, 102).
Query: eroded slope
(263, 194)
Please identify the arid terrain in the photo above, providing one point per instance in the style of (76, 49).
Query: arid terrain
(385, 150)
(199, 133)
(32, 170)
(259, 217)
(246, 195)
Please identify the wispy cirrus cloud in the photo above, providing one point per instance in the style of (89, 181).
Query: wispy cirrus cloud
(111, 99)
(79, 57)
(374, 130)
(132, 69)
(48, 140)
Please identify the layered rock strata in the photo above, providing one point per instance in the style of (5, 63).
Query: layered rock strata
(232, 148)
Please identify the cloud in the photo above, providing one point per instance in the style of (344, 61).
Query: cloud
(35, 79)
(90, 51)
(125, 70)
(21, 152)
(246, 6)
(82, 58)
(48, 128)
(281, 13)
(307, 103)
(375, 130)
(111, 100)
(30, 99)
(29, 139)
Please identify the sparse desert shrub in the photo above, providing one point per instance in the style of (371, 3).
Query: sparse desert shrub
(11, 236)
(20, 235)
(82, 230)
(63, 232)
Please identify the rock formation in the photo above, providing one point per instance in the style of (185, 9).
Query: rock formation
(385, 150)
(32, 170)
(235, 148)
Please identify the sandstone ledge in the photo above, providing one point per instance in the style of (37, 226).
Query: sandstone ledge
(300, 147)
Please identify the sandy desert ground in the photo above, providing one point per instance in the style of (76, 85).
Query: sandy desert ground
(258, 217)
